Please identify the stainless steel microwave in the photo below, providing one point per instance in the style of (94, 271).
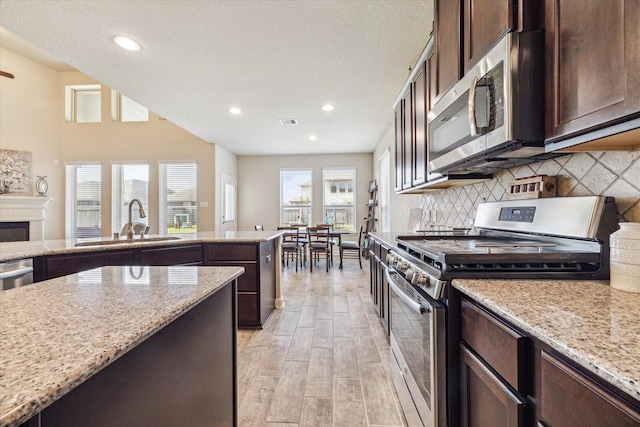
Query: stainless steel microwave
(493, 118)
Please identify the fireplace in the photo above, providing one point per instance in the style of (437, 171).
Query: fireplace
(17, 231)
(22, 217)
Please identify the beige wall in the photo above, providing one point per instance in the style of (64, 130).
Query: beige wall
(259, 185)
(29, 121)
(32, 119)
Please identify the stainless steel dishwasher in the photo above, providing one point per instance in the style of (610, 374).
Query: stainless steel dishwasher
(16, 273)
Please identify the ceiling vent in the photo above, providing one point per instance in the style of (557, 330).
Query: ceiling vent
(288, 122)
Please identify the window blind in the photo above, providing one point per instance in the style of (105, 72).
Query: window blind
(83, 200)
(178, 185)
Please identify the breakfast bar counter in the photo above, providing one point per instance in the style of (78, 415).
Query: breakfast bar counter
(137, 342)
(31, 249)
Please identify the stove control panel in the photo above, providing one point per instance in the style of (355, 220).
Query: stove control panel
(415, 275)
(518, 214)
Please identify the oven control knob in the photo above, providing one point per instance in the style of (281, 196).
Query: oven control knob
(420, 280)
(391, 259)
(409, 274)
(402, 265)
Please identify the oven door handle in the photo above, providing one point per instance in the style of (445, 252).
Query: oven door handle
(419, 308)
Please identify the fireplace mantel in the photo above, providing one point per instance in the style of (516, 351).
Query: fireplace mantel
(25, 208)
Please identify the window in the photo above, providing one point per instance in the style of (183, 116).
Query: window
(339, 207)
(178, 197)
(128, 181)
(82, 204)
(124, 109)
(83, 104)
(295, 196)
(385, 192)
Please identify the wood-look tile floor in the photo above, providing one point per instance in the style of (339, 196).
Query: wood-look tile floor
(322, 360)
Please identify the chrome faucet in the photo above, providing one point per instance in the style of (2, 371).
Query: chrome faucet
(130, 224)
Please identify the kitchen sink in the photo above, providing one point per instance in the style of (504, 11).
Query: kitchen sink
(125, 241)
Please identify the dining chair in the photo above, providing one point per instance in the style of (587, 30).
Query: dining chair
(318, 246)
(290, 245)
(259, 227)
(349, 247)
(332, 241)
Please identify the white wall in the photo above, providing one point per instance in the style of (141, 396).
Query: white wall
(32, 119)
(259, 185)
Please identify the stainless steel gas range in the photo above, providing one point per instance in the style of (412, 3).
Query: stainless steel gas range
(566, 237)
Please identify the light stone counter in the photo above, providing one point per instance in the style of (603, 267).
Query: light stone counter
(588, 321)
(57, 333)
(18, 250)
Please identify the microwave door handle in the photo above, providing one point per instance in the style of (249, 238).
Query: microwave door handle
(472, 107)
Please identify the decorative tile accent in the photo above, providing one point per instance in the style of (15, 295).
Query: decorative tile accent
(615, 174)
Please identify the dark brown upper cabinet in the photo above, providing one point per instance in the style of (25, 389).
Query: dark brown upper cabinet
(485, 22)
(419, 160)
(444, 65)
(592, 66)
(399, 157)
(407, 145)
(465, 30)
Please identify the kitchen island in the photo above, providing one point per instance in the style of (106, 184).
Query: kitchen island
(132, 345)
(258, 252)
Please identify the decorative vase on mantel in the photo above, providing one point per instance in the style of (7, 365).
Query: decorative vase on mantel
(42, 186)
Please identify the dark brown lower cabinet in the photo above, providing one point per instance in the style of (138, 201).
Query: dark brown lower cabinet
(180, 255)
(485, 399)
(569, 398)
(62, 265)
(257, 285)
(507, 377)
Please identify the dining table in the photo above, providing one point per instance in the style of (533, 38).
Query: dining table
(332, 234)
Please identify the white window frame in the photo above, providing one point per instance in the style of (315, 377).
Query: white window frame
(163, 214)
(116, 108)
(71, 197)
(309, 206)
(343, 189)
(71, 102)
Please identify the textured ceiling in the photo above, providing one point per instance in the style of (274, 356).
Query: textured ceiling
(273, 59)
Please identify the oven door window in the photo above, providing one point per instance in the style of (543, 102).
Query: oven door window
(413, 333)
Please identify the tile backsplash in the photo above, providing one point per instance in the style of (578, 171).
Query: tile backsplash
(615, 174)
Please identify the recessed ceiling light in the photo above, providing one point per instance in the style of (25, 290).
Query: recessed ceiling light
(127, 43)
(313, 137)
(328, 107)
(235, 110)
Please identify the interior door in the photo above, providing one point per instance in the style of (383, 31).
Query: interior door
(228, 205)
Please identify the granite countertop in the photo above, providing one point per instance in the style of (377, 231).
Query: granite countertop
(17, 250)
(57, 333)
(588, 321)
